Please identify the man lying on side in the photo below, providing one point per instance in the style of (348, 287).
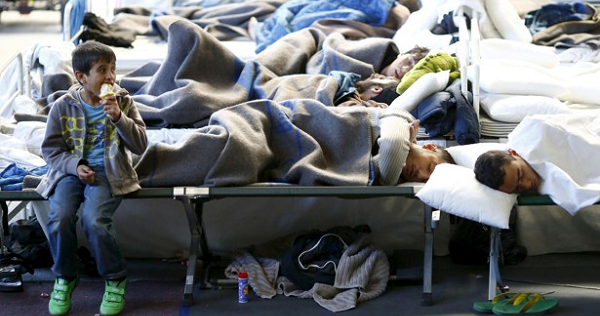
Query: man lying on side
(549, 154)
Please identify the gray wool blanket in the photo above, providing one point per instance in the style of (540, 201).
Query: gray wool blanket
(231, 20)
(272, 119)
(225, 21)
(200, 76)
(296, 141)
(268, 120)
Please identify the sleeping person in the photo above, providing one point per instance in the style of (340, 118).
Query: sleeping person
(301, 142)
(295, 15)
(200, 75)
(549, 154)
(311, 51)
(382, 87)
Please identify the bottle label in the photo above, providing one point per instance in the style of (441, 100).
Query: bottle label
(243, 290)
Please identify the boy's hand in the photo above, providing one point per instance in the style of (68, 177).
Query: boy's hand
(414, 129)
(86, 174)
(111, 108)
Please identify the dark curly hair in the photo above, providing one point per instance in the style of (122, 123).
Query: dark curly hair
(488, 167)
(446, 156)
(85, 55)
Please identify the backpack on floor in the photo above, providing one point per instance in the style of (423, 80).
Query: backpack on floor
(28, 240)
(470, 243)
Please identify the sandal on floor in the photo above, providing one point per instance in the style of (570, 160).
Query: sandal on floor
(487, 306)
(526, 304)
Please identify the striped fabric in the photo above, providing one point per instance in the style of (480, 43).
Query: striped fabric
(362, 275)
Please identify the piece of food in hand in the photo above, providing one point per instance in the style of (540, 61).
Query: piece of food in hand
(107, 90)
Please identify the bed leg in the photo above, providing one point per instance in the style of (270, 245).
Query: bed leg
(188, 290)
(430, 224)
(4, 217)
(4, 224)
(494, 271)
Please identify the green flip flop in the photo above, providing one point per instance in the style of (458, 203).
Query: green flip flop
(526, 304)
(487, 306)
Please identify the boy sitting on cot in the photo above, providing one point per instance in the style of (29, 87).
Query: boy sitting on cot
(90, 134)
(547, 156)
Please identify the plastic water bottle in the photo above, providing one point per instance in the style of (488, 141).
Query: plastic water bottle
(243, 287)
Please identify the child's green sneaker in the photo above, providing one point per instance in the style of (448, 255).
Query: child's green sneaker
(60, 298)
(113, 300)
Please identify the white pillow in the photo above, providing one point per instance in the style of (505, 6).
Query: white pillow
(454, 189)
(423, 19)
(502, 48)
(507, 76)
(425, 86)
(466, 155)
(507, 21)
(583, 89)
(514, 108)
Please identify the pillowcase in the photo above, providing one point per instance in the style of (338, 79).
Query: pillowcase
(466, 155)
(514, 108)
(507, 76)
(454, 189)
(427, 85)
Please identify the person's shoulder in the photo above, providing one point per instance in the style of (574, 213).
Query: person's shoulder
(65, 102)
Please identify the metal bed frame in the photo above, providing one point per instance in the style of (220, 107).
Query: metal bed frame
(193, 199)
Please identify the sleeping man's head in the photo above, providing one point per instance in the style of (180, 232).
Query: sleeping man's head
(506, 171)
(422, 160)
(404, 62)
(378, 88)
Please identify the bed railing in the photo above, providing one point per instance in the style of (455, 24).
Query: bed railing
(70, 22)
(468, 53)
(74, 13)
(23, 82)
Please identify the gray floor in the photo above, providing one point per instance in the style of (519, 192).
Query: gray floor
(19, 32)
(573, 278)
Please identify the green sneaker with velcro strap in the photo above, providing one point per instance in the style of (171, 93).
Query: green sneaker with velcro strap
(113, 300)
(60, 298)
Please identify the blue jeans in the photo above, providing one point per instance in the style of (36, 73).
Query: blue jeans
(96, 219)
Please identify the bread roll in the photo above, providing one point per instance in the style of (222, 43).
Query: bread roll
(107, 90)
